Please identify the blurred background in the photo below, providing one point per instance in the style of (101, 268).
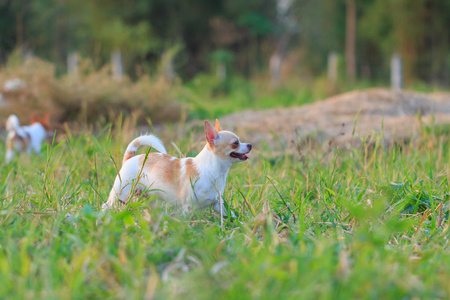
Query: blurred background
(166, 60)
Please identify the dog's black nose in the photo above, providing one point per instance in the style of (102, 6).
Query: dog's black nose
(249, 146)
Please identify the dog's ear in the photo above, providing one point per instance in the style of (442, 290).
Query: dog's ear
(45, 120)
(46, 117)
(218, 126)
(34, 118)
(210, 132)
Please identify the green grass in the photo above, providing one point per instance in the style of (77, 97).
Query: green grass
(208, 98)
(205, 97)
(368, 222)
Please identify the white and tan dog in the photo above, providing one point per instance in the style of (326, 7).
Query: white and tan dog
(25, 138)
(194, 183)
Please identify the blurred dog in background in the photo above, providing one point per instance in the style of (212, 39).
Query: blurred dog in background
(25, 138)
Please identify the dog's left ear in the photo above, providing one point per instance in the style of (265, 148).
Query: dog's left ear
(45, 120)
(211, 133)
(46, 117)
(218, 126)
(34, 118)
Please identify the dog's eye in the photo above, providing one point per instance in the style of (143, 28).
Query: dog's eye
(236, 143)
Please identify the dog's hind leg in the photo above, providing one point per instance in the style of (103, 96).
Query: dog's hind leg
(9, 155)
(120, 191)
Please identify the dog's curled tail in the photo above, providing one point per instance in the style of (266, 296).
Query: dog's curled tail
(144, 140)
(12, 123)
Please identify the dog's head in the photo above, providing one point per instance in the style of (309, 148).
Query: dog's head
(226, 144)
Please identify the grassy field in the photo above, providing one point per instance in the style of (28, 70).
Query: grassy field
(313, 223)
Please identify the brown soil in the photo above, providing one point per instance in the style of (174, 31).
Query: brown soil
(344, 118)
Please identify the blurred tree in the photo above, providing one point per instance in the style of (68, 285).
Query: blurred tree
(417, 29)
(8, 34)
(322, 30)
(350, 40)
(221, 59)
(185, 23)
(104, 26)
(286, 26)
(250, 30)
(255, 20)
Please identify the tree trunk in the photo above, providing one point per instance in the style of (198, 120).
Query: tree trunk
(221, 71)
(276, 60)
(117, 65)
(332, 68)
(275, 68)
(396, 72)
(72, 65)
(350, 38)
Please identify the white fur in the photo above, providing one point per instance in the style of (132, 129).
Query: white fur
(147, 140)
(207, 190)
(12, 123)
(196, 195)
(34, 133)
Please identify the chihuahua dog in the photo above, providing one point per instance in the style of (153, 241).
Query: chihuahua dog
(193, 182)
(25, 138)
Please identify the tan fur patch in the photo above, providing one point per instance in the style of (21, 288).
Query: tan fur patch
(210, 147)
(136, 143)
(234, 146)
(171, 169)
(43, 121)
(218, 126)
(168, 169)
(151, 160)
(128, 155)
(163, 165)
(225, 143)
(191, 169)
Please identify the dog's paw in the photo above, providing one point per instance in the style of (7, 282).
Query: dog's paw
(224, 210)
(105, 206)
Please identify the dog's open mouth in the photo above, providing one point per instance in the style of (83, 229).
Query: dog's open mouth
(239, 156)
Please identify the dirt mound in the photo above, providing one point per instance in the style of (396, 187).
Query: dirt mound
(345, 117)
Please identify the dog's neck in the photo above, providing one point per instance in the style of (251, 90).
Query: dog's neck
(208, 160)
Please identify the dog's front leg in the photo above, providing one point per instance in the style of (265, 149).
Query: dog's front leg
(220, 208)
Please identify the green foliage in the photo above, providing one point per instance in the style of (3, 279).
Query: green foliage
(250, 30)
(258, 24)
(221, 55)
(402, 27)
(208, 97)
(134, 40)
(322, 27)
(328, 224)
